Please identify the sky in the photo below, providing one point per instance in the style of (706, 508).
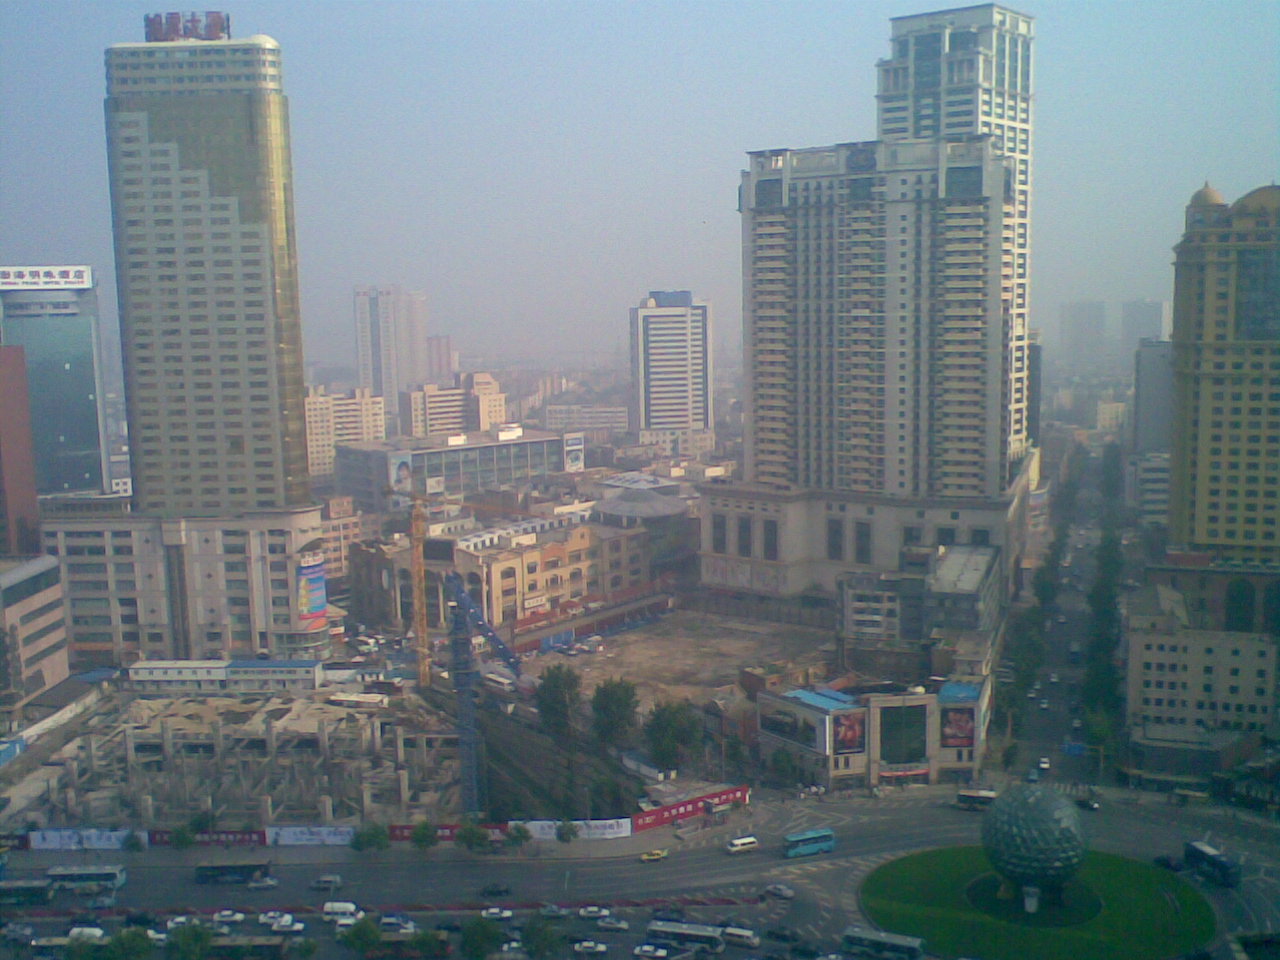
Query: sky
(537, 167)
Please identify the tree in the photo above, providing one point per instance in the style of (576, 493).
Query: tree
(305, 948)
(373, 836)
(541, 939)
(558, 698)
(430, 944)
(132, 842)
(181, 839)
(480, 937)
(613, 710)
(567, 831)
(130, 943)
(189, 942)
(471, 836)
(203, 822)
(517, 836)
(424, 835)
(364, 936)
(80, 949)
(670, 727)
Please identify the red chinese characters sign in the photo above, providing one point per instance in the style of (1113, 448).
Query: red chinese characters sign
(685, 809)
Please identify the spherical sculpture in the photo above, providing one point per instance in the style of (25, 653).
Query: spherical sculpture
(1033, 835)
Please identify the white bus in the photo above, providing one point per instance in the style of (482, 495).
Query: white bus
(695, 936)
(84, 877)
(859, 941)
(740, 937)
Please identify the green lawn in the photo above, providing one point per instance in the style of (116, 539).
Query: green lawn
(1146, 913)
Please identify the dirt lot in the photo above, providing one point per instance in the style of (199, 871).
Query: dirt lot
(688, 655)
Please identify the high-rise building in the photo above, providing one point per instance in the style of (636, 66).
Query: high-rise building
(19, 514)
(207, 272)
(1225, 499)
(671, 379)
(222, 554)
(391, 342)
(52, 313)
(1153, 400)
(343, 418)
(442, 360)
(885, 332)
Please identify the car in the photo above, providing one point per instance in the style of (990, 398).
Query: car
(1032, 693)
(228, 916)
(343, 924)
(93, 934)
(1087, 803)
(263, 883)
(1033, 776)
(156, 937)
(327, 881)
(511, 946)
(1044, 704)
(1076, 723)
(669, 914)
(592, 912)
(393, 922)
(268, 917)
(651, 855)
(551, 911)
(18, 932)
(287, 924)
(590, 946)
(496, 913)
(495, 890)
(1044, 764)
(1053, 678)
(1062, 618)
(780, 890)
(650, 951)
(783, 934)
(173, 923)
(613, 923)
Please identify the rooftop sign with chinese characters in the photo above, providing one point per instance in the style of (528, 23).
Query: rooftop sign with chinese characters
(46, 278)
(167, 27)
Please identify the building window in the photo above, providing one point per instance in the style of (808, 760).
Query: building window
(862, 542)
(744, 536)
(770, 530)
(835, 538)
(719, 533)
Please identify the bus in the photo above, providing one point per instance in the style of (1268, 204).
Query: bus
(864, 942)
(1208, 862)
(808, 842)
(87, 878)
(974, 798)
(232, 872)
(695, 936)
(25, 893)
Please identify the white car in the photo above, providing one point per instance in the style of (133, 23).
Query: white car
(590, 946)
(593, 912)
(496, 913)
(1076, 723)
(87, 933)
(650, 951)
(1044, 704)
(1044, 763)
(613, 923)
(173, 923)
(780, 890)
(264, 883)
(271, 916)
(228, 916)
(158, 938)
(512, 946)
(1053, 678)
(287, 924)
(343, 924)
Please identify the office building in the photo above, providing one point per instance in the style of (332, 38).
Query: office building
(206, 271)
(586, 416)
(19, 512)
(671, 371)
(392, 347)
(33, 634)
(885, 330)
(342, 418)
(1225, 498)
(52, 313)
(473, 401)
(221, 555)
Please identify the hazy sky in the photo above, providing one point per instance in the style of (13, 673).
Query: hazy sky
(537, 167)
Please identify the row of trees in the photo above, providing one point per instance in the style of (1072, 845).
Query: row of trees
(190, 942)
(1101, 690)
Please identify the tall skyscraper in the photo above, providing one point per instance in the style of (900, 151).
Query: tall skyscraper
(1225, 499)
(223, 553)
(671, 382)
(19, 514)
(885, 333)
(52, 313)
(207, 272)
(391, 342)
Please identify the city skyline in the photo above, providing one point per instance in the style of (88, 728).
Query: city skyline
(536, 223)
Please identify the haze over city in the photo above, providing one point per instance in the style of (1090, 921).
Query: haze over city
(535, 168)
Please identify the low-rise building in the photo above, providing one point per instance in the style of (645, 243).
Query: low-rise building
(343, 526)
(224, 676)
(33, 633)
(335, 419)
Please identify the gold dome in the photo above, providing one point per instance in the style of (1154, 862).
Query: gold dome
(1206, 196)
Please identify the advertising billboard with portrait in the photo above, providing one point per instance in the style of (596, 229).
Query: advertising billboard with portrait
(957, 727)
(795, 724)
(400, 480)
(849, 732)
(313, 599)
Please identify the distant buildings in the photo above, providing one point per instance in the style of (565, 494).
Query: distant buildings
(52, 313)
(1083, 337)
(472, 401)
(1152, 423)
(19, 513)
(671, 376)
(346, 418)
(1141, 320)
(391, 342)
(583, 416)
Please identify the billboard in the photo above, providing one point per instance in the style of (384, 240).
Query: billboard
(575, 452)
(46, 278)
(792, 722)
(849, 732)
(399, 480)
(313, 599)
(957, 727)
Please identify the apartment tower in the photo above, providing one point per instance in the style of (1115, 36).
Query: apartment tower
(392, 349)
(886, 298)
(671, 371)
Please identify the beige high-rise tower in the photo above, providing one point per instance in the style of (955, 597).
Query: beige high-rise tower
(207, 270)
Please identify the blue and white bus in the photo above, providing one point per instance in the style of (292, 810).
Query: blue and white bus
(808, 842)
(864, 942)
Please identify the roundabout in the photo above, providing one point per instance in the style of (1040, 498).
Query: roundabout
(1114, 909)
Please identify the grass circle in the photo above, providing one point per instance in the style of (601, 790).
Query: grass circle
(1115, 909)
